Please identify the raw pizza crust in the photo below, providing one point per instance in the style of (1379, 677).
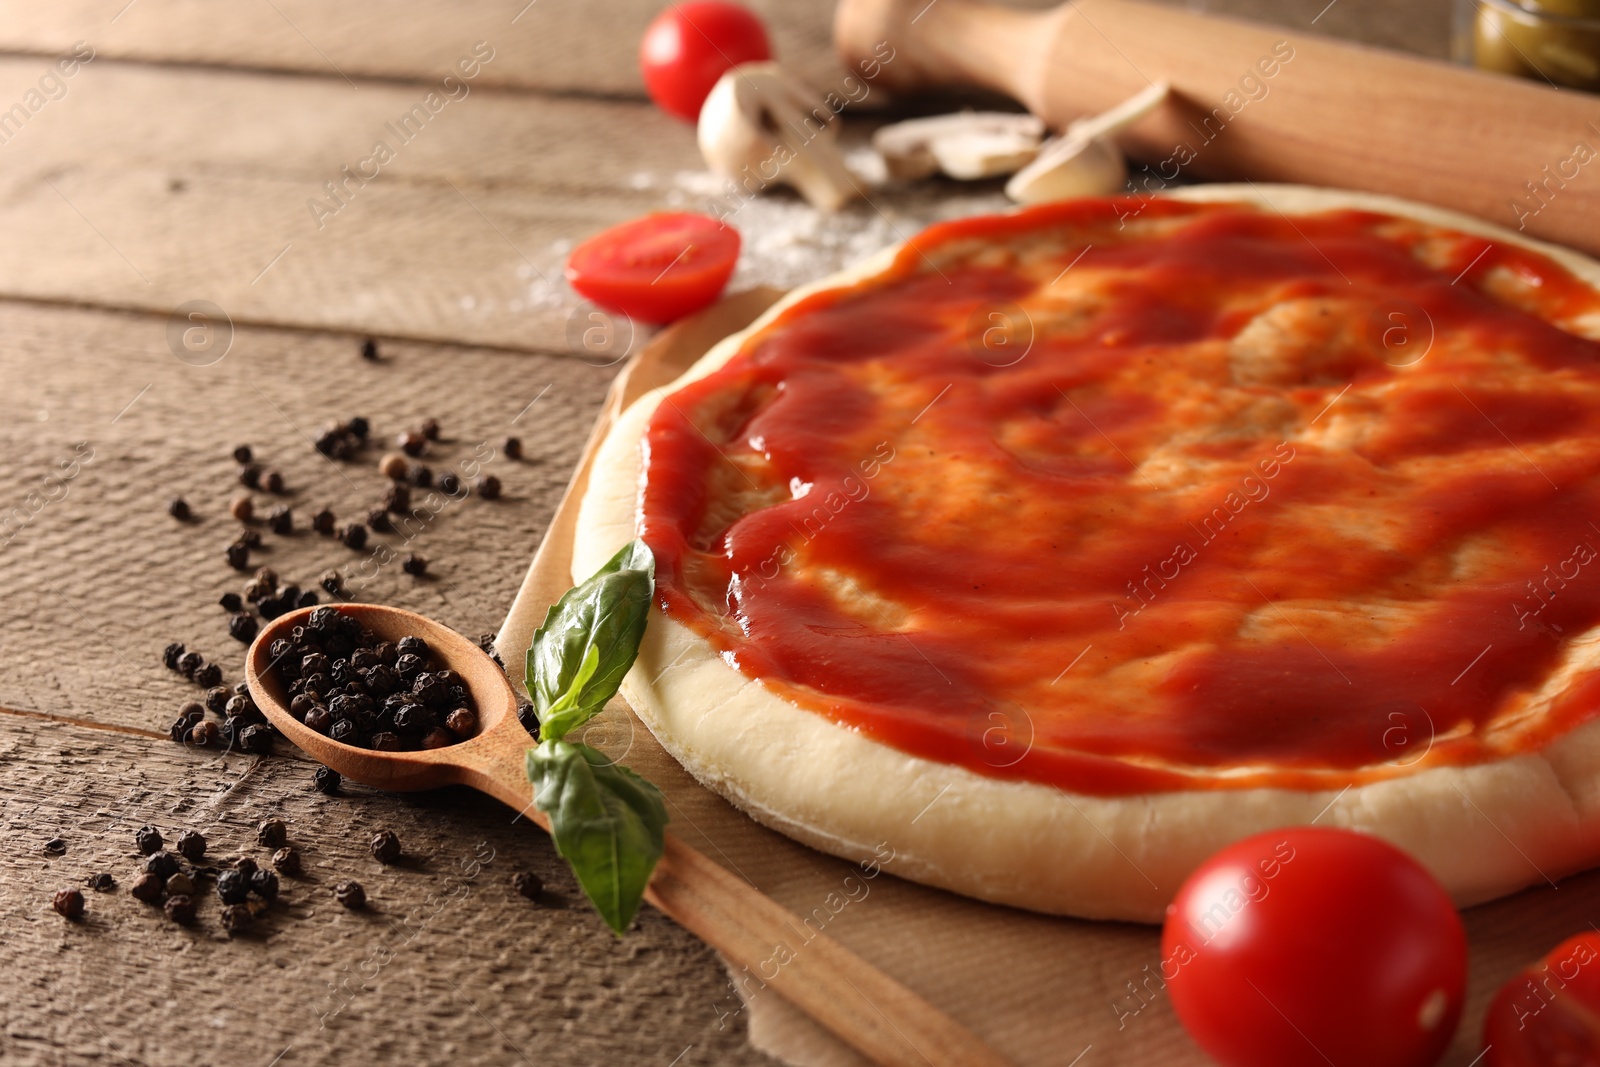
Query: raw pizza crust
(1484, 830)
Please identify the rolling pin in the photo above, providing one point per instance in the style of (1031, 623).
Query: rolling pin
(1259, 102)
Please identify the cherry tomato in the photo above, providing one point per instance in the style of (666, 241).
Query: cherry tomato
(1550, 1013)
(1314, 946)
(658, 268)
(690, 45)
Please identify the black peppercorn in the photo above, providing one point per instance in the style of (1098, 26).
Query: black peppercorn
(351, 895)
(162, 864)
(56, 846)
(307, 599)
(264, 884)
(411, 442)
(192, 845)
(319, 720)
(217, 698)
(359, 427)
(238, 556)
(323, 521)
(346, 732)
(528, 884)
(147, 887)
(385, 846)
(242, 508)
(385, 741)
(287, 861)
(208, 676)
(488, 487)
(398, 498)
(179, 884)
(178, 508)
(461, 722)
(180, 908)
(171, 655)
(280, 520)
(246, 864)
(512, 447)
(256, 739)
(237, 917)
(231, 602)
(148, 838)
(190, 662)
(332, 582)
(414, 564)
(369, 349)
(249, 538)
(272, 481)
(354, 535)
(250, 476)
(449, 484)
(233, 886)
(272, 833)
(239, 707)
(378, 519)
(243, 454)
(412, 646)
(204, 734)
(420, 475)
(529, 718)
(326, 780)
(438, 737)
(101, 882)
(68, 903)
(242, 627)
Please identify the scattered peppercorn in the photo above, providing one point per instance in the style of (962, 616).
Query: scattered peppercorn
(56, 846)
(233, 886)
(488, 487)
(326, 779)
(512, 447)
(369, 349)
(411, 442)
(208, 675)
(420, 475)
(147, 887)
(359, 427)
(385, 846)
(180, 908)
(162, 864)
(256, 739)
(323, 521)
(231, 602)
(354, 535)
(243, 454)
(179, 884)
(264, 884)
(528, 884)
(429, 429)
(238, 556)
(247, 865)
(378, 519)
(412, 563)
(272, 833)
(333, 582)
(68, 903)
(393, 466)
(242, 627)
(101, 882)
(250, 476)
(237, 917)
(204, 734)
(171, 655)
(287, 861)
(149, 840)
(192, 845)
(217, 698)
(249, 538)
(280, 520)
(449, 484)
(242, 508)
(190, 662)
(272, 481)
(351, 895)
(178, 508)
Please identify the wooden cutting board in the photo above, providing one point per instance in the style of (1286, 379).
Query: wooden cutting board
(1041, 990)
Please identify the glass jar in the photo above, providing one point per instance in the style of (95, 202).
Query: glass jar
(1553, 41)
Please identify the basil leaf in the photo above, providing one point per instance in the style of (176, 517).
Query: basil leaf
(607, 822)
(589, 639)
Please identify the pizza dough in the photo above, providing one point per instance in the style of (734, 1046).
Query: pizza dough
(1484, 828)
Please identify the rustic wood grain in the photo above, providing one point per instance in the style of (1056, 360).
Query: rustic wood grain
(447, 965)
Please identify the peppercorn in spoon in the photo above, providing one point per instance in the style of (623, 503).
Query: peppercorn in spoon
(860, 1004)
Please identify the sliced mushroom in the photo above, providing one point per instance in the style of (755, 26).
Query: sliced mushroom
(1085, 161)
(967, 144)
(760, 127)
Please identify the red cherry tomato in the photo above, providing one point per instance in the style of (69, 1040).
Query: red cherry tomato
(1313, 946)
(690, 45)
(658, 268)
(1550, 1013)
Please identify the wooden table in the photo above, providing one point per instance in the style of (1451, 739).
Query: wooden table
(178, 165)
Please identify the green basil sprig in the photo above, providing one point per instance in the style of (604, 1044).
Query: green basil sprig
(607, 822)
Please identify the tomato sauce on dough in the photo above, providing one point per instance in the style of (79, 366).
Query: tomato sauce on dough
(1126, 496)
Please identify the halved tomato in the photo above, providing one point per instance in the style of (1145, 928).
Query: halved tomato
(657, 268)
(1549, 1014)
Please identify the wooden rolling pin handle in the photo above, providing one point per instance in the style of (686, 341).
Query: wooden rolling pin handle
(1261, 103)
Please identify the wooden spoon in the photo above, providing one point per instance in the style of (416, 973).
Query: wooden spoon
(862, 1005)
